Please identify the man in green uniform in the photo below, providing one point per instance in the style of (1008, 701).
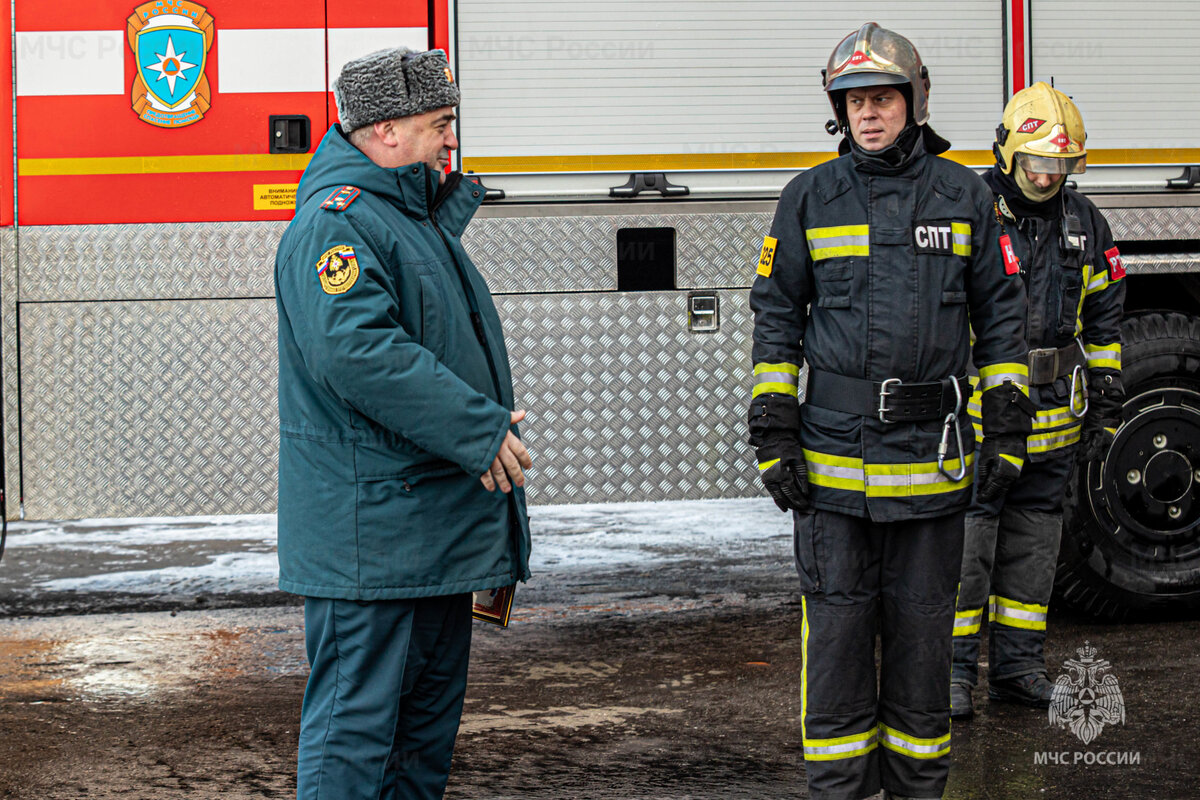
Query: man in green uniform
(400, 466)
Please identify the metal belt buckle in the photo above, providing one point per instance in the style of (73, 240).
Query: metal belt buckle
(883, 396)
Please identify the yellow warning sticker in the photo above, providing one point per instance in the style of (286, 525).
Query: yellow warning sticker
(275, 196)
(766, 259)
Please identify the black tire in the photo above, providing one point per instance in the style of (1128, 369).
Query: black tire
(1131, 532)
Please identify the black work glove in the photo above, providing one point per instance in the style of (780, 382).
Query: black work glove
(1093, 443)
(997, 474)
(787, 481)
(774, 422)
(1106, 396)
(1007, 420)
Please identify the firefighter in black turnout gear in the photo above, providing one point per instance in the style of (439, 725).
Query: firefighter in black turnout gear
(876, 264)
(1064, 252)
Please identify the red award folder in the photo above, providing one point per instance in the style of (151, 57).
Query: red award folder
(494, 605)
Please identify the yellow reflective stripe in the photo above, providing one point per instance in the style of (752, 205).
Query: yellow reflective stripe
(838, 240)
(858, 744)
(1079, 308)
(834, 461)
(1030, 616)
(960, 233)
(996, 374)
(776, 378)
(790, 369)
(830, 482)
(765, 465)
(1016, 462)
(911, 480)
(1097, 283)
(913, 746)
(803, 664)
(1103, 355)
(884, 480)
(1045, 442)
(1053, 418)
(967, 622)
(835, 472)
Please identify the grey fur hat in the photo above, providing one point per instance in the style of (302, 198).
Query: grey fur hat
(393, 83)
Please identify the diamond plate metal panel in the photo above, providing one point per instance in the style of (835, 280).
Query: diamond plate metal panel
(549, 253)
(1161, 264)
(544, 254)
(718, 250)
(1152, 224)
(148, 262)
(157, 408)
(624, 403)
(149, 408)
(8, 363)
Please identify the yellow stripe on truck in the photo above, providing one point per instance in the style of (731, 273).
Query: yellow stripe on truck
(793, 160)
(150, 165)
(250, 162)
(678, 161)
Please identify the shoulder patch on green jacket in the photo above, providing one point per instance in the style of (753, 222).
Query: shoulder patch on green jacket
(341, 198)
(337, 269)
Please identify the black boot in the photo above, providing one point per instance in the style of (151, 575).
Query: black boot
(1033, 689)
(960, 701)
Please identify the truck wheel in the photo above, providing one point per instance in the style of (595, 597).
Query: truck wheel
(1131, 532)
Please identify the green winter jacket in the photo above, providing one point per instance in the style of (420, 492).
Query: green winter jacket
(394, 390)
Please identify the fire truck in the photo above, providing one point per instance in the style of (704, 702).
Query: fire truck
(632, 153)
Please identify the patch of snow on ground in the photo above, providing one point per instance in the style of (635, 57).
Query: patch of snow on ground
(566, 539)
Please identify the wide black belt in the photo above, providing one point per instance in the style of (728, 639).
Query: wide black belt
(1048, 364)
(890, 401)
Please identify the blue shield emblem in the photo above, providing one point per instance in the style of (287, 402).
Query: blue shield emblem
(170, 60)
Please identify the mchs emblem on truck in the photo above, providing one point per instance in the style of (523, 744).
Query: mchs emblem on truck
(170, 41)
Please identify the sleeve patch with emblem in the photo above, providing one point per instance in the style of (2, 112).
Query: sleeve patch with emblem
(766, 258)
(337, 269)
(341, 198)
(1116, 268)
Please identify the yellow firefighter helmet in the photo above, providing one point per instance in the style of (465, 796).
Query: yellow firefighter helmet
(1041, 131)
(875, 56)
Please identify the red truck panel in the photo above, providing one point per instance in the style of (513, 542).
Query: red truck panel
(89, 158)
(6, 139)
(86, 153)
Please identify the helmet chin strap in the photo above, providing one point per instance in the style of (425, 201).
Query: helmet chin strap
(1032, 191)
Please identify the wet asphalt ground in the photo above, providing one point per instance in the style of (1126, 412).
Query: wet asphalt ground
(655, 654)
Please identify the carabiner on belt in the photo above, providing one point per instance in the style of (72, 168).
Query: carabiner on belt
(1077, 381)
(944, 445)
